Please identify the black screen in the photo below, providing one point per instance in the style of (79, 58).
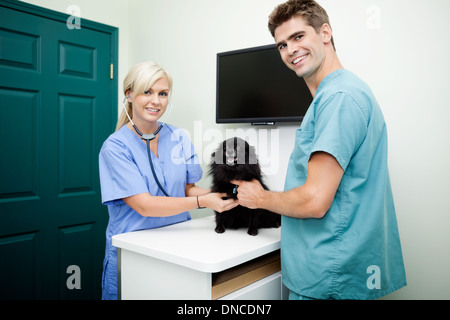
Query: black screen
(254, 85)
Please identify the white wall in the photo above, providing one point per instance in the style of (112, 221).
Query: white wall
(399, 47)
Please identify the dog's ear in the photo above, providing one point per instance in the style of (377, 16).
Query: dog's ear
(214, 156)
(217, 155)
(252, 157)
(218, 149)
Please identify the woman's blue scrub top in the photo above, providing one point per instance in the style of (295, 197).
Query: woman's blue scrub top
(354, 251)
(125, 171)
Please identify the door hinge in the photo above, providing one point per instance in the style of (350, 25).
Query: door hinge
(111, 71)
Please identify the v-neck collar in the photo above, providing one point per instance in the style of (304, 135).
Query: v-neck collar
(142, 143)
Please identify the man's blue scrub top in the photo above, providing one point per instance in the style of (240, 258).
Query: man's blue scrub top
(125, 171)
(354, 252)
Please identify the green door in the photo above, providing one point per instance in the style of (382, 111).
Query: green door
(58, 104)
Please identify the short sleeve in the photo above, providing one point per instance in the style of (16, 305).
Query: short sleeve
(340, 128)
(194, 171)
(119, 174)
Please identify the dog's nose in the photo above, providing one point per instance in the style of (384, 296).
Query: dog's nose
(230, 152)
(230, 155)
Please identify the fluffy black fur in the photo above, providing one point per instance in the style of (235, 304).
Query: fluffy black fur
(235, 159)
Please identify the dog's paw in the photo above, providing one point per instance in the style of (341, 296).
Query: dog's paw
(220, 229)
(252, 232)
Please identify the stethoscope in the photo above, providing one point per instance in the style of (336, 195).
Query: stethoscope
(147, 138)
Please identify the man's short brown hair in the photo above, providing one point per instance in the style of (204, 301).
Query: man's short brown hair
(314, 15)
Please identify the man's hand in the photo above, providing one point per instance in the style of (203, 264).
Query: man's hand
(249, 193)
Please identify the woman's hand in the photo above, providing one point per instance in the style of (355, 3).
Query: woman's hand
(216, 202)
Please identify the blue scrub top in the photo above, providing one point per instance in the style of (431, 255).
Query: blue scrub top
(354, 251)
(125, 171)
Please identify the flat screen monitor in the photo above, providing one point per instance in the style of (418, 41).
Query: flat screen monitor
(255, 86)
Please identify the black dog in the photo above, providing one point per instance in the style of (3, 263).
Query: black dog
(235, 159)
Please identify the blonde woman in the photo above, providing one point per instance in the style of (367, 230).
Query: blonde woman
(135, 195)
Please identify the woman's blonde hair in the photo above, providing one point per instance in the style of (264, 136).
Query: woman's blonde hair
(140, 79)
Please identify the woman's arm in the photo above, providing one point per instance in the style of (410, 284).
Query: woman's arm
(156, 206)
(192, 190)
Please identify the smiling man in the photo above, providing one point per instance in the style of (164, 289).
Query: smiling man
(340, 238)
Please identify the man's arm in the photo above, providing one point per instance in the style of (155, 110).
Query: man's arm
(311, 200)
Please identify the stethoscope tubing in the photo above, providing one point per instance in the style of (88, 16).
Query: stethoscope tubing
(151, 162)
(147, 138)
